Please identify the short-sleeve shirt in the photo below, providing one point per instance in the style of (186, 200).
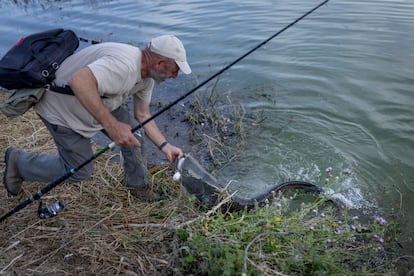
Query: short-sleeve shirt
(117, 69)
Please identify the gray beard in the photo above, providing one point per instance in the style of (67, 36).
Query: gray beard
(156, 77)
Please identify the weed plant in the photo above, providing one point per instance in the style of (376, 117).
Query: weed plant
(289, 236)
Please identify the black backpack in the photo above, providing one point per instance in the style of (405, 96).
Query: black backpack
(33, 61)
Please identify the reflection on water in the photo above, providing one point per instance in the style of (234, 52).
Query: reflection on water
(341, 81)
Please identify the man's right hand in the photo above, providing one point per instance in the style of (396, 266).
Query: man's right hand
(85, 88)
(121, 134)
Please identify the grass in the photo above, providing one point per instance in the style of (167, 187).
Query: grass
(313, 240)
(105, 231)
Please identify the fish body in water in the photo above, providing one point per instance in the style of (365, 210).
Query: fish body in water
(197, 181)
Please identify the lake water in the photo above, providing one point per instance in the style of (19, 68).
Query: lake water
(336, 89)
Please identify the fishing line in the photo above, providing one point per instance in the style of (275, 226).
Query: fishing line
(72, 171)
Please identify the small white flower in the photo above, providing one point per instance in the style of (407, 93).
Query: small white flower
(378, 238)
(380, 220)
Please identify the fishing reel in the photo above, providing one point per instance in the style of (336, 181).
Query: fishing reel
(50, 210)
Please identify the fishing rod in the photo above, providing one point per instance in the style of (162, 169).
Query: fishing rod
(72, 171)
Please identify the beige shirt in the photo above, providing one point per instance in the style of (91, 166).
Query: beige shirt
(117, 69)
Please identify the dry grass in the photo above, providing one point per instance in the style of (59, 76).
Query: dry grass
(103, 229)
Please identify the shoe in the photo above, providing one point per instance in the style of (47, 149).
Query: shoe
(12, 179)
(144, 194)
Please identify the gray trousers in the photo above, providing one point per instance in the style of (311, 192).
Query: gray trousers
(73, 150)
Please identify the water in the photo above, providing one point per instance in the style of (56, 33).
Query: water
(335, 89)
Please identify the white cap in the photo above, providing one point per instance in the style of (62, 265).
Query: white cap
(171, 47)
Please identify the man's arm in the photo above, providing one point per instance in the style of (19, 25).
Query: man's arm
(85, 88)
(142, 113)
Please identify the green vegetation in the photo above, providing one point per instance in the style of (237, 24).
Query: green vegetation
(315, 239)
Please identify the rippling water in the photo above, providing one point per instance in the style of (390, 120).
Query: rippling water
(335, 89)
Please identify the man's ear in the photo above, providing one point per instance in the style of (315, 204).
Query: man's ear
(159, 63)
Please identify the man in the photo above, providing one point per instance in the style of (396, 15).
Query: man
(101, 76)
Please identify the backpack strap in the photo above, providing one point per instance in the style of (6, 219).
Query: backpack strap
(67, 90)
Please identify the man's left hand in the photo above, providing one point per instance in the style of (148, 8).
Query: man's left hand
(172, 152)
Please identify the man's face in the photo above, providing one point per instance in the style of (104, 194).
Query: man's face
(165, 69)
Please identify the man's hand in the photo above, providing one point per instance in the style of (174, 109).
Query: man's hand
(172, 152)
(85, 88)
(121, 134)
